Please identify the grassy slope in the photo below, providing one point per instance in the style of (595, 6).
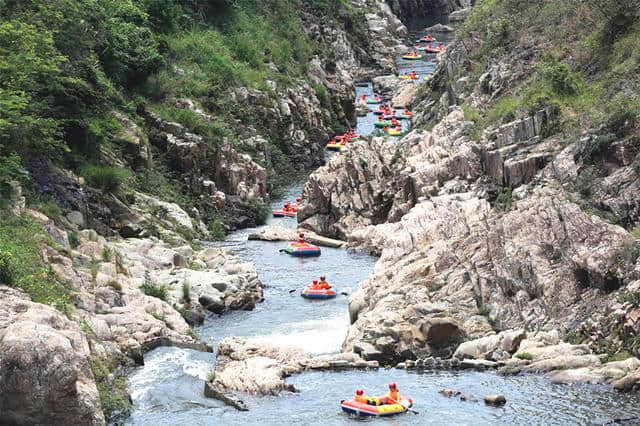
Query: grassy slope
(587, 68)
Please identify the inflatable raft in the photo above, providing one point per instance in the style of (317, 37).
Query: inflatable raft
(384, 410)
(310, 293)
(427, 39)
(335, 145)
(284, 213)
(394, 132)
(383, 123)
(434, 49)
(302, 249)
(408, 77)
(411, 57)
(372, 101)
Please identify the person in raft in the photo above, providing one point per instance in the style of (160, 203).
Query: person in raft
(413, 75)
(324, 285)
(394, 122)
(315, 286)
(301, 240)
(393, 396)
(287, 207)
(364, 98)
(440, 46)
(298, 201)
(360, 397)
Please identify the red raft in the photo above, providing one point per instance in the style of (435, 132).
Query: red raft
(311, 293)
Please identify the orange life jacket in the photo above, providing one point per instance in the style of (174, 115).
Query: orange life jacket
(393, 396)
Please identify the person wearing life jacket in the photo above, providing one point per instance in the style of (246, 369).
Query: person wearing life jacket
(393, 396)
(324, 285)
(385, 128)
(360, 397)
(440, 46)
(301, 240)
(407, 113)
(394, 122)
(381, 118)
(314, 285)
(364, 98)
(429, 37)
(298, 201)
(287, 207)
(413, 75)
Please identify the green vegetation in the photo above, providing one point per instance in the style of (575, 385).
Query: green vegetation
(150, 288)
(619, 356)
(586, 62)
(524, 355)
(108, 179)
(113, 397)
(21, 240)
(504, 199)
(186, 293)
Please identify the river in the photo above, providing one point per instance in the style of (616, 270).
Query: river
(168, 389)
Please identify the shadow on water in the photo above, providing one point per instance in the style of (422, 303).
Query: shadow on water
(168, 390)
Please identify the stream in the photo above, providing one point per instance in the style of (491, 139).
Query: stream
(168, 389)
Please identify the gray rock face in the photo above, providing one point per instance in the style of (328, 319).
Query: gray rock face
(45, 372)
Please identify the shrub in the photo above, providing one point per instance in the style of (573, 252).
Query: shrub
(504, 199)
(597, 147)
(107, 254)
(323, 95)
(562, 80)
(74, 241)
(622, 115)
(619, 356)
(524, 355)
(260, 211)
(113, 397)
(8, 269)
(186, 293)
(217, 230)
(105, 178)
(51, 209)
(152, 289)
(585, 181)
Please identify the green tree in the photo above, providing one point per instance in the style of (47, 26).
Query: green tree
(29, 73)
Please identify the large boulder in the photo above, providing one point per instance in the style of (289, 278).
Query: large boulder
(45, 366)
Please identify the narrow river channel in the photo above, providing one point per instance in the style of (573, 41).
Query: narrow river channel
(168, 390)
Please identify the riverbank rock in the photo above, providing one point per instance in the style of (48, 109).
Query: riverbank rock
(277, 233)
(439, 28)
(45, 366)
(247, 366)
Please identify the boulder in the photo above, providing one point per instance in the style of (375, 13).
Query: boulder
(495, 399)
(45, 366)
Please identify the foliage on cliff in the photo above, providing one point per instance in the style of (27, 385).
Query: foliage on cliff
(65, 65)
(585, 58)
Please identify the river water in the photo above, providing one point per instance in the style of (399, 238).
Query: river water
(168, 389)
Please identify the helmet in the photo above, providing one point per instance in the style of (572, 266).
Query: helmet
(392, 386)
(298, 199)
(359, 392)
(315, 281)
(322, 278)
(301, 235)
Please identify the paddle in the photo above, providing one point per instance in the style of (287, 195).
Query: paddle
(403, 406)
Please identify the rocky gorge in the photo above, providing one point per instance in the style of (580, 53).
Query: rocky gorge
(480, 234)
(490, 254)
